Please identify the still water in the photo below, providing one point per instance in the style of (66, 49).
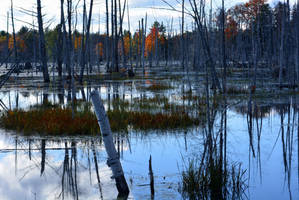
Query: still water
(48, 167)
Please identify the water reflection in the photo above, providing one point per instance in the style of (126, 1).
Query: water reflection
(260, 134)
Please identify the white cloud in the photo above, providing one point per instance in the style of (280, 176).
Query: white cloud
(138, 8)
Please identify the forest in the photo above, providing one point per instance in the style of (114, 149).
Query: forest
(198, 103)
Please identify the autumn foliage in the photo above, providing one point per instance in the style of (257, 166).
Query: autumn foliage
(231, 29)
(244, 14)
(100, 49)
(150, 41)
(20, 44)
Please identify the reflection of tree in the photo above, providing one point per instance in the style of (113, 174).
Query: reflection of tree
(43, 148)
(69, 180)
(286, 134)
(287, 144)
(259, 110)
(97, 168)
(212, 177)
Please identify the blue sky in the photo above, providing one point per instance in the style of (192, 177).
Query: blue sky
(138, 8)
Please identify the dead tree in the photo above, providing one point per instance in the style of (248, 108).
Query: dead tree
(281, 50)
(14, 32)
(130, 37)
(223, 47)
(182, 36)
(107, 40)
(113, 158)
(116, 37)
(59, 47)
(85, 45)
(43, 51)
(7, 40)
(66, 42)
(198, 16)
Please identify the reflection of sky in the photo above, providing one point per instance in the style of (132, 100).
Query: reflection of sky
(167, 150)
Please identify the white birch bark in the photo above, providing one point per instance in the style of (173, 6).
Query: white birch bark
(113, 158)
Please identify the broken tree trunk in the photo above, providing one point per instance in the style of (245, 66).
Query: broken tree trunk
(113, 158)
(151, 174)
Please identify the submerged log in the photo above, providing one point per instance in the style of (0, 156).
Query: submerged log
(113, 158)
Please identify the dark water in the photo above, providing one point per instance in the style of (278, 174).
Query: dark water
(45, 167)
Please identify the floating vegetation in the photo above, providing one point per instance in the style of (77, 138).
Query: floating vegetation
(81, 122)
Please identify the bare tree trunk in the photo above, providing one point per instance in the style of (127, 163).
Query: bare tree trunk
(7, 40)
(83, 46)
(121, 16)
(156, 47)
(88, 33)
(59, 52)
(13, 32)
(281, 50)
(107, 38)
(182, 36)
(143, 41)
(139, 44)
(113, 158)
(66, 41)
(113, 37)
(202, 29)
(116, 67)
(43, 51)
(223, 48)
(297, 54)
(130, 37)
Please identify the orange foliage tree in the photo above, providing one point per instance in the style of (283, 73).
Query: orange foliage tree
(154, 34)
(77, 41)
(100, 49)
(2, 43)
(20, 44)
(231, 29)
(127, 43)
(246, 13)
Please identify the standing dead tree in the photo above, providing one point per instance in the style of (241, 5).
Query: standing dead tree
(43, 51)
(199, 17)
(14, 32)
(85, 42)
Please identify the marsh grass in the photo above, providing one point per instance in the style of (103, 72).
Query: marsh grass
(59, 121)
(236, 90)
(211, 181)
(158, 87)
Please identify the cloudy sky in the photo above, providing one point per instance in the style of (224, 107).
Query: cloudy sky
(138, 8)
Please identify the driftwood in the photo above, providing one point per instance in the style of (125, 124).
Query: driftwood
(113, 158)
